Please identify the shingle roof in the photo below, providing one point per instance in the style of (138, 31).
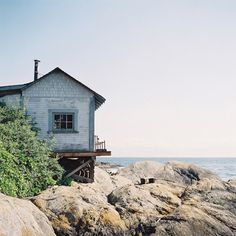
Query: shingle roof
(15, 89)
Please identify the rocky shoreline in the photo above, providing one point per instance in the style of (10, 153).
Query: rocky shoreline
(184, 200)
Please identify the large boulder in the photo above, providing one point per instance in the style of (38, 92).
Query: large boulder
(142, 169)
(79, 211)
(143, 202)
(22, 218)
(196, 220)
(164, 209)
(178, 172)
(83, 208)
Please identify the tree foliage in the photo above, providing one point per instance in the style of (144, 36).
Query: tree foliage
(26, 167)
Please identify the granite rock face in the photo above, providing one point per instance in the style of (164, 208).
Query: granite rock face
(22, 218)
(80, 211)
(184, 200)
(174, 171)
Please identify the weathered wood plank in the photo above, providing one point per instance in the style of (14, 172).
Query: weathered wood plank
(84, 154)
(79, 167)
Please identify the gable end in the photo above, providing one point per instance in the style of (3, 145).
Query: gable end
(99, 100)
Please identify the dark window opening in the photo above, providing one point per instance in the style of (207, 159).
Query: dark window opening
(63, 121)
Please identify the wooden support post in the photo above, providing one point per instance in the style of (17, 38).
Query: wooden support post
(92, 170)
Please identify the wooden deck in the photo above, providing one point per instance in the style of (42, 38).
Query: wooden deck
(99, 150)
(69, 154)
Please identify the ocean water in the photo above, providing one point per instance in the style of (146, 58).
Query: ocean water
(223, 167)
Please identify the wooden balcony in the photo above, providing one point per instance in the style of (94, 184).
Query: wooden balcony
(99, 150)
(99, 146)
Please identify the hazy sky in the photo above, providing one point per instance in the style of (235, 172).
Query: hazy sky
(167, 68)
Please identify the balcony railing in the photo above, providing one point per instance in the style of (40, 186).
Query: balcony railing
(99, 145)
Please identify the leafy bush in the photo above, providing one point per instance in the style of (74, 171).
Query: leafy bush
(26, 167)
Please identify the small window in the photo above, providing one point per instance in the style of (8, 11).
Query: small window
(63, 121)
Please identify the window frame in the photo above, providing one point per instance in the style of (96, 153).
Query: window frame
(66, 121)
(51, 120)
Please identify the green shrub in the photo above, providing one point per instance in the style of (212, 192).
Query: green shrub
(12, 181)
(26, 167)
(67, 181)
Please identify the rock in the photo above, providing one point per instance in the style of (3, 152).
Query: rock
(109, 167)
(178, 172)
(190, 174)
(190, 220)
(135, 203)
(83, 208)
(142, 169)
(184, 200)
(141, 202)
(231, 185)
(104, 183)
(163, 211)
(79, 211)
(21, 218)
(119, 181)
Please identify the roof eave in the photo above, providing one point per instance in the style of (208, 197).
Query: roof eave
(9, 92)
(99, 100)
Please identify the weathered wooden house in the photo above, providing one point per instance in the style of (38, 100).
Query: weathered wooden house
(65, 108)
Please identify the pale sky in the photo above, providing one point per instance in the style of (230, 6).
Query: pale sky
(166, 67)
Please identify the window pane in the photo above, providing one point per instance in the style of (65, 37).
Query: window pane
(69, 125)
(56, 117)
(69, 117)
(57, 125)
(63, 125)
(63, 118)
